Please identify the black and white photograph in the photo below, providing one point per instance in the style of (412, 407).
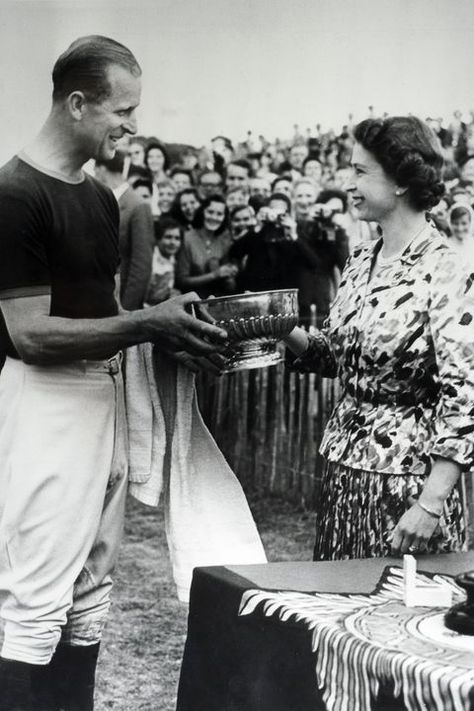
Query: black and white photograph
(236, 355)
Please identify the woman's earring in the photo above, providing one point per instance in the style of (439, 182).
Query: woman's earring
(398, 192)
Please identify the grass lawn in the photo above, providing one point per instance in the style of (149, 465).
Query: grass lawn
(141, 654)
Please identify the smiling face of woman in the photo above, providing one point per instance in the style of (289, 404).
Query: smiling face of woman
(214, 215)
(373, 191)
(155, 160)
(189, 205)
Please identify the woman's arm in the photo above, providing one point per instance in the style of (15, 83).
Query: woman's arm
(418, 524)
(313, 353)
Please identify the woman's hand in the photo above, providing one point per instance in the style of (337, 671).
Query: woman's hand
(296, 341)
(417, 525)
(413, 531)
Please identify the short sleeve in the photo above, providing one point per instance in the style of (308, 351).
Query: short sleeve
(24, 269)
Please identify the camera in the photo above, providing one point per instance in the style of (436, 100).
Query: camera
(270, 215)
(324, 213)
(272, 227)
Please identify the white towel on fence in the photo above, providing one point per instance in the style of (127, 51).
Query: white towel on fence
(208, 521)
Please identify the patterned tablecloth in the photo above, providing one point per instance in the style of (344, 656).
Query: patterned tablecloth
(364, 642)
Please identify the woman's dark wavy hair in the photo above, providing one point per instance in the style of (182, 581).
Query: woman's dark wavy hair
(198, 221)
(409, 152)
(176, 210)
(160, 146)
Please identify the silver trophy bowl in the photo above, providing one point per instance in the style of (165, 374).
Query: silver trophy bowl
(255, 322)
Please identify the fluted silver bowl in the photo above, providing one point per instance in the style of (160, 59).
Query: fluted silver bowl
(255, 322)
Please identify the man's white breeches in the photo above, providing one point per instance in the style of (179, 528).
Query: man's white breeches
(61, 512)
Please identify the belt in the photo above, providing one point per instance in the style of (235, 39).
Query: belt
(408, 398)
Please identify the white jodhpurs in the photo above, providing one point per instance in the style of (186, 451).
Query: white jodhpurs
(61, 509)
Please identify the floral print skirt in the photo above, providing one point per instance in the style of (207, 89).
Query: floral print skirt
(359, 510)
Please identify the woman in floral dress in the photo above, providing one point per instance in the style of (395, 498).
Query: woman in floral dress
(400, 338)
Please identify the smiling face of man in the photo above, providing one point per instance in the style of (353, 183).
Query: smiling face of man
(104, 123)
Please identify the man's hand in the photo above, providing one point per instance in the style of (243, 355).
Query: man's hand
(174, 328)
(213, 363)
(289, 227)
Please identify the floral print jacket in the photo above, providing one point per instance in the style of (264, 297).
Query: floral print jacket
(402, 345)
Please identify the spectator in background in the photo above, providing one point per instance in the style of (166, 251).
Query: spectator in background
(185, 206)
(210, 183)
(296, 159)
(223, 152)
(166, 195)
(266, 167)
(260, 187)
(313, 170)
(189, 160)
(440, 216)
(181, 178)
(460, 196)
(461, 219)
(323, 231)
(271, 255)
(168, 243)
(242, 218)
(144, 189)
(304, 197)
(136, 172)
(236, 197)
(156, 160)
(136, 151)
(135, 232)
(237, 175)
(203, 265)
(283, 185)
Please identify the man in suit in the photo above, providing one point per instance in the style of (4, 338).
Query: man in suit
(136, 237)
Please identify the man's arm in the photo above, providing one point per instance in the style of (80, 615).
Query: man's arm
(41, 339)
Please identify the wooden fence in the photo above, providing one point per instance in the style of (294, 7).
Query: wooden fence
(269, 423)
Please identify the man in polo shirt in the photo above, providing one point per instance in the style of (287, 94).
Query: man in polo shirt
(62, 459)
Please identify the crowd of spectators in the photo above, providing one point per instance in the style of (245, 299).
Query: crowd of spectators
(272, 215)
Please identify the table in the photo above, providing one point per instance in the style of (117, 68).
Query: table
(258, 662)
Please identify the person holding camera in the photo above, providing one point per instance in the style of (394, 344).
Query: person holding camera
(324, 232)
(271, 252)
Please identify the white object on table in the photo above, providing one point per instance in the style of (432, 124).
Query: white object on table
(423, 594)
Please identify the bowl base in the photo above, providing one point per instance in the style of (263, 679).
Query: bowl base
(252, 354)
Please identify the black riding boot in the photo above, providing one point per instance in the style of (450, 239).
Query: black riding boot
(73, 674)
(25, 687)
